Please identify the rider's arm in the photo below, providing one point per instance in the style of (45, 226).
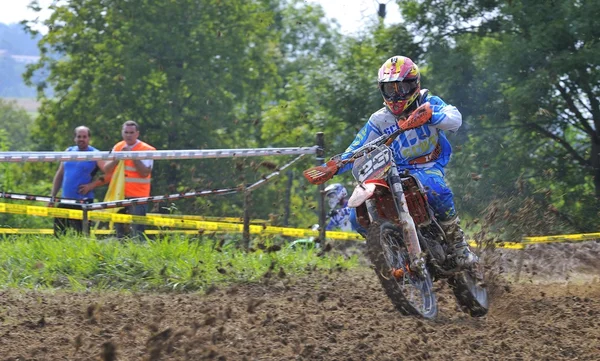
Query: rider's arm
(331, 225)
(445, 116)
(366, 134)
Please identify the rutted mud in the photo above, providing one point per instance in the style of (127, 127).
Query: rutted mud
(553, 313)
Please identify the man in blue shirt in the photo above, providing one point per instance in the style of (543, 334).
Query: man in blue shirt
(76, 180)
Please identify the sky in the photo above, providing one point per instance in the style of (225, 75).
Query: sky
(13, 11)
(348, 13)
(352, 14)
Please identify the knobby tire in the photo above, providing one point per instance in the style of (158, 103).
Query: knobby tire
(383, 239)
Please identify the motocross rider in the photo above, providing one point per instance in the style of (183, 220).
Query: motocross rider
(423, 150)
(339, 216)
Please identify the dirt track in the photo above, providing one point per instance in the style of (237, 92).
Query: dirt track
(340, 316)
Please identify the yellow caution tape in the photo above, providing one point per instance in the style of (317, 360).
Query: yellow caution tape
(203, 226)
(95, 232)
(562, 238)
(41, 211)
(343, 236)
(509, 245)
(160, 231)
(290, 231)
(208, 218)
(546, 239)
(26, 231)
(207, 226)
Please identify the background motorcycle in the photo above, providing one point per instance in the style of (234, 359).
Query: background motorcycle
(405, 243)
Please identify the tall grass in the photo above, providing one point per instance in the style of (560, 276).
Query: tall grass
(172, 263)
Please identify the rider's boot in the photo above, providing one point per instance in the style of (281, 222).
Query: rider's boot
(459, 248)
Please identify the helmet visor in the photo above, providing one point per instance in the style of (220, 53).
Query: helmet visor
(398, 90)
(332, 199)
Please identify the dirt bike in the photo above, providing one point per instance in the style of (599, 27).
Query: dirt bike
(405, 243)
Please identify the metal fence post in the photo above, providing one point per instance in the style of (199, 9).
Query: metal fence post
(288, 198)
(85, 225)
(246, 230)
(320, 157)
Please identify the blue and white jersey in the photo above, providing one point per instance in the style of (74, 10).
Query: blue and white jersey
(340, 219)
(413, 143)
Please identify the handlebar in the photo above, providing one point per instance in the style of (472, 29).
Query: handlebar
(322, 173)
(386, 139)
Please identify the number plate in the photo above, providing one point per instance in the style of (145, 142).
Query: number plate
(373, 165)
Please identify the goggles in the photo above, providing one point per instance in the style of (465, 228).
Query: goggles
(398, 90)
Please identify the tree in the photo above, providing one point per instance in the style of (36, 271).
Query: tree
(17, 125)
(15, 128)
(194, 74)
(333, 92)
(531, 80)
(181, 69)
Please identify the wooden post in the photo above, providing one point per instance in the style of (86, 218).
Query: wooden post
(320, 158)
(85, 224)
(246, 230)
(520, 264)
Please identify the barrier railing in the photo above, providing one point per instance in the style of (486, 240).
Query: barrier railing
(166, 155)
(19, 157)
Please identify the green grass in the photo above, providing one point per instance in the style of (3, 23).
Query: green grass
(165, 265)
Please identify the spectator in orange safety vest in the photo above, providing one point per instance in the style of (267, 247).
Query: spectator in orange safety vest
(138, 176)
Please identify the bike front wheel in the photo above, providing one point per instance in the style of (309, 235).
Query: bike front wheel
(409, 289)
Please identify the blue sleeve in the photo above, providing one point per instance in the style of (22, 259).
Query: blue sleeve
(333, 220)
(437, 104)
(445, 116)
(331, 225)
(361, 138)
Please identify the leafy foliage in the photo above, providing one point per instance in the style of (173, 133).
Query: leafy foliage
(15, 125)
(235, 74)
(525, 76)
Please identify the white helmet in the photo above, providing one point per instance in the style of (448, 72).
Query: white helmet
(334, 194)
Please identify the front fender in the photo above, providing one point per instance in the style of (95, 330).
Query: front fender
(364, 191)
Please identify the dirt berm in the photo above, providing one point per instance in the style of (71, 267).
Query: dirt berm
(552, 313)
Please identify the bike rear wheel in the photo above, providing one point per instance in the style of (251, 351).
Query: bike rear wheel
(411, 291)
(470, 292)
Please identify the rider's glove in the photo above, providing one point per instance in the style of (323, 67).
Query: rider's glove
(322, 173)
(419, 117)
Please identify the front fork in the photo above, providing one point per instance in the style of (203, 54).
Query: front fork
(409, 229)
